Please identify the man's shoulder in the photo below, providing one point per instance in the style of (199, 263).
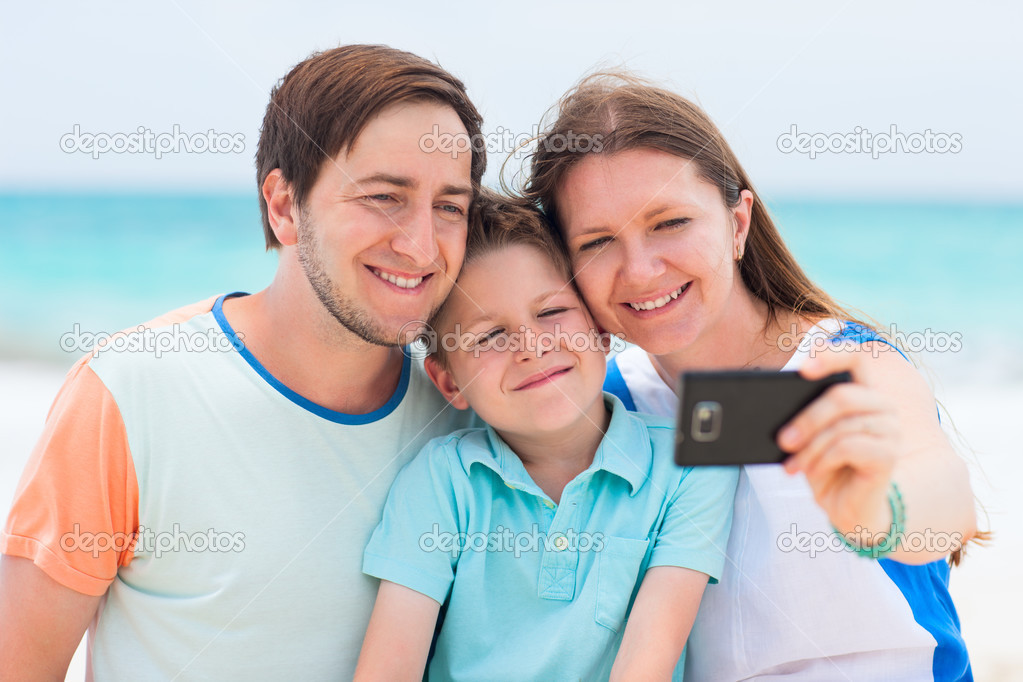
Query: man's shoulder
(183, 314)
(429, 406)
(183, 346)
(156, 337)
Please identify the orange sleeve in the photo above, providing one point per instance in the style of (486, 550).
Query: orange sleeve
(75, 512)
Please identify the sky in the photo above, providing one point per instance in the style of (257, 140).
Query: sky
(945, 75)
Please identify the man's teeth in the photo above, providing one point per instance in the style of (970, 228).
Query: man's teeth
(657, 303)
(400, 281)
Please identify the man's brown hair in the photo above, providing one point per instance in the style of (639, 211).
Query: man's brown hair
(322, 105)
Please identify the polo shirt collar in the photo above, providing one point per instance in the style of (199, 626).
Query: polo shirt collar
(624, 451)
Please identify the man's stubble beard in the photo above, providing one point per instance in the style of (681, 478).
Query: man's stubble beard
(349, 315)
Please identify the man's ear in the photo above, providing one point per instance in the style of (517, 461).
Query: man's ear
(281, 210)
(445, 383)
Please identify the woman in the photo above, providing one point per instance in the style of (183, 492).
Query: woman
(673, 249)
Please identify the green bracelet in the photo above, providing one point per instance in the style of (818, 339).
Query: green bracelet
(889, 543)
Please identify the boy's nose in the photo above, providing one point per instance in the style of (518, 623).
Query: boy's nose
(532, 344)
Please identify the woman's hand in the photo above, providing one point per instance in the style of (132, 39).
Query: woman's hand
(846, 443)
(855, 439)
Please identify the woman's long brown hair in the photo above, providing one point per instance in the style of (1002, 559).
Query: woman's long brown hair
(614, 111)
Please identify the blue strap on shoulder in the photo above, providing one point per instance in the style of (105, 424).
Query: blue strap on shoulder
(863, 334)
(614, 383)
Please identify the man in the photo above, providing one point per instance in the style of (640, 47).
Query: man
(204, 512)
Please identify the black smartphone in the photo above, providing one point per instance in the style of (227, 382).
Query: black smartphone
(733, 417)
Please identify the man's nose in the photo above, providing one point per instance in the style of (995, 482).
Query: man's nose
(416, 237)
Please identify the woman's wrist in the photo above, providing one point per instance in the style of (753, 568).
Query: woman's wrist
(879, 541)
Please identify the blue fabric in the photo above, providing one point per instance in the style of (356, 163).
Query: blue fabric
(925, 587)
(466, 525)
(614, 383)
(863, 334)
(301, 401)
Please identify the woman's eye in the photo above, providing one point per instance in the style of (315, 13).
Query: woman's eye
(595, 243)
(452, 209)
(675, 223)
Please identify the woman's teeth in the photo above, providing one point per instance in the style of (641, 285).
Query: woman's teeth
(399, 281)
(659, 302)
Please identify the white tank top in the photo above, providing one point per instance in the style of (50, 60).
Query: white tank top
(833, 616)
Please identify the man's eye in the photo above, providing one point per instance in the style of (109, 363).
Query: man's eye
(380, 197)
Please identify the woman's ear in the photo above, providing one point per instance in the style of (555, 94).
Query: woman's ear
(281, 210)
(445, 383)
(742, 214)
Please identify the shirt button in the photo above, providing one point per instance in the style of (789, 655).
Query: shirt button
(560, 542)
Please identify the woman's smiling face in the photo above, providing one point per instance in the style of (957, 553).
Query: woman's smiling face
(653, 246)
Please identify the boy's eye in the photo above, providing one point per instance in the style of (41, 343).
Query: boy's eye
(550, 312)
(485, 340)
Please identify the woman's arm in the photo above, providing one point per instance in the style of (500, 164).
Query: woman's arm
(399, 635)
(659, 625)
(857, 438)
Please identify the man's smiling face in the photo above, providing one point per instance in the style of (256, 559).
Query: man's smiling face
(381, 235)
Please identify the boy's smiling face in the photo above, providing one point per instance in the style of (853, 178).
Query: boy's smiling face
(529, 361)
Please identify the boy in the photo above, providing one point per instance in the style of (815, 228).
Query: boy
(536, 532)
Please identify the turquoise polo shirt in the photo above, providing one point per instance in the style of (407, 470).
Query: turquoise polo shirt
(536, 590)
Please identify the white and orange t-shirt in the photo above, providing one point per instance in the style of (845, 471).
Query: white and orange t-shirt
(223, 515)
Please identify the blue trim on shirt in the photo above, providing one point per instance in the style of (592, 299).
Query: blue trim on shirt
(925, 587)
(305, 403)
(614, 383)
(863, 334)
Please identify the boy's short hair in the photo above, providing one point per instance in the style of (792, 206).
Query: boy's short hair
(496, 222)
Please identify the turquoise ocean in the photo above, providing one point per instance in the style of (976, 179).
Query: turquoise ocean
(106, 262)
